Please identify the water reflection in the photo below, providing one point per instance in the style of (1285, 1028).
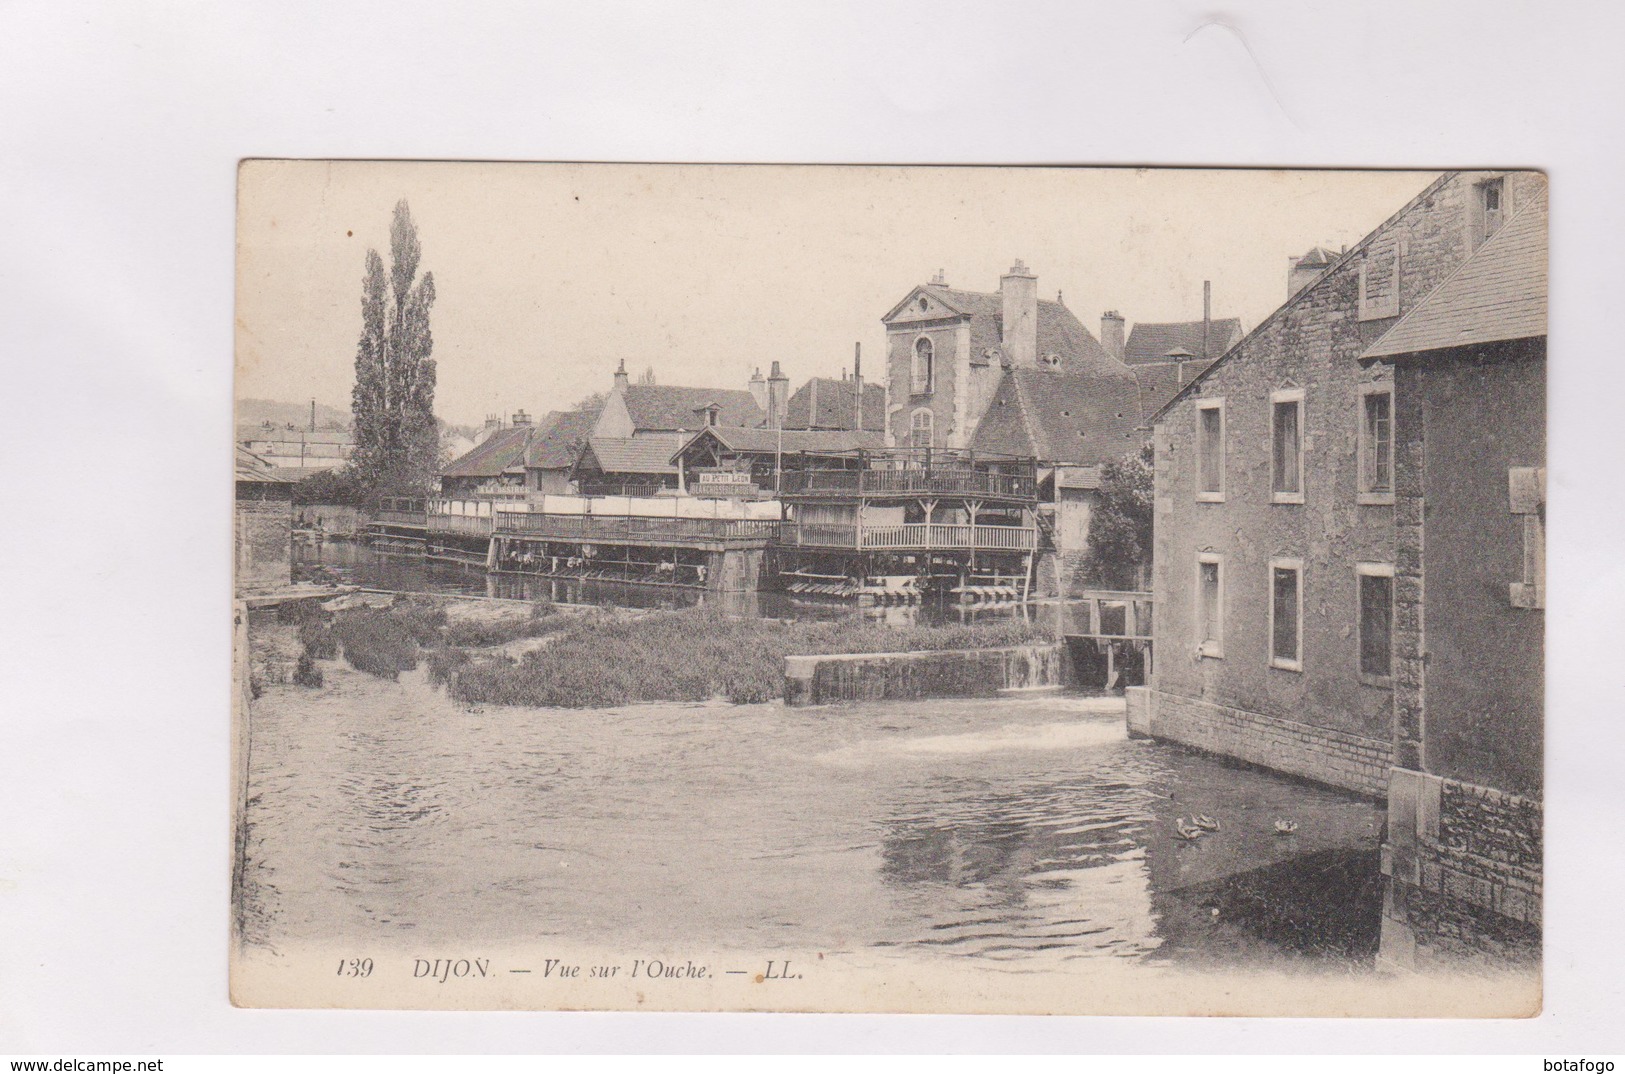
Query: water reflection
(352, 563)
(1018, 831)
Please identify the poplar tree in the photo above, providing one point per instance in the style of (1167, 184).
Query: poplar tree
(397, 440)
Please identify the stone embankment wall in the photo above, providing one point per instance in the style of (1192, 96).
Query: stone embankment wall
(1464, 864)
(1336, 758)
(818, 680)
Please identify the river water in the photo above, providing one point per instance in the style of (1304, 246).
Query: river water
(1025, 832)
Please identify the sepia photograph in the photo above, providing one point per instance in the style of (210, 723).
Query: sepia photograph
(1044, 590)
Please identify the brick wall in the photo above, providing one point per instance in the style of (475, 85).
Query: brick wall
(1352, 762)
(1464, 866)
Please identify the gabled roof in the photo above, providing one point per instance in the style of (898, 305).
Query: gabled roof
(1161, 381)
(557, 445)
(828, 403)
(1072, 418)
(1305, 294)
(669, 407)
(768, 441)
(503, 450)
(1059, 330)
(1154, 342)
(1498, 293)
(646, 455)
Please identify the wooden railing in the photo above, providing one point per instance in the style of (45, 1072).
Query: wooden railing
(633, 527)
(947, 482)
(1110, 614)
(910, 536)
(466, 525)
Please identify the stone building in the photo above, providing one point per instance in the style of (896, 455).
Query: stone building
(1009, 373)
(262, 524)
(1464, 846)
(1275, 550)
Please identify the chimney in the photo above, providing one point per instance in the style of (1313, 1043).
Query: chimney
(778, 397)
(622, 381)
(1019, 289)
(1111, 333)
(521, 418)
(1207, 317)
(758, 388)
(857, 388)
(313, 415)
(940, 279)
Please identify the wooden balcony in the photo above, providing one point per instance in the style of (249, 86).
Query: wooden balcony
(634, 529)
(909, 537)
(910, 483)
(400, 511)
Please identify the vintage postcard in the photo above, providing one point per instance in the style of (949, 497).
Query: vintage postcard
(918, 589)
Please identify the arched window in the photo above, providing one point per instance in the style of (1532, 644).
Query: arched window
(924, 362)
(920, 428)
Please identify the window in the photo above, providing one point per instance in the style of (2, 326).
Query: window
(1210, 450)
(1286, 453)
(1209, 604)
(1376, 581)
(924, 366)
(1489, 194)
(1376, 444)
(1286, 614)
(920, 428)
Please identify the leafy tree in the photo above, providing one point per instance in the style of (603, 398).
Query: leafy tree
(1120, 528)
(397, 440)
(341, 486)
(592, 401)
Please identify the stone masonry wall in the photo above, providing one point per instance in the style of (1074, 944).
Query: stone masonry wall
(1464, 866)
(1352, 762)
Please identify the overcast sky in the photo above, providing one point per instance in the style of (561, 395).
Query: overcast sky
(547, 275)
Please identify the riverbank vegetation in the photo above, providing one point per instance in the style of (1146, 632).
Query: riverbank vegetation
(692, 655)
(596, 659)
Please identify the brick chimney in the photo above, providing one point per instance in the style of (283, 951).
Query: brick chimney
(622, 381)
(857, 386)
(1019, 289)
(521, 418)
(778, 397)
(1111, 333)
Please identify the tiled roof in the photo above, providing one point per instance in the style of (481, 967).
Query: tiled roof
(558, 442)
(1059, 330)
(1317, 257)
(1154, 342)
(670, 407)
(250, 467)
(1161, 381)
(763, 441)
(1078, 418)
(827, 403)
(1498, 293)
(504, 449)
(636, 455)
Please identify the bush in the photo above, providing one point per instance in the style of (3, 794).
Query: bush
(302, 611)
(306, 673)
(444, 664)
(379, 641)
(318, 639)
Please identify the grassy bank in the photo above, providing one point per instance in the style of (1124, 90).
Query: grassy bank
(689, 656)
